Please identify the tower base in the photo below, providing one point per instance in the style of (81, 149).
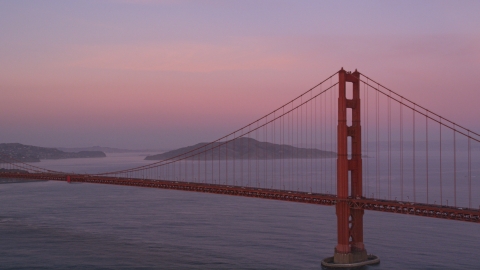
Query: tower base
(345, 263)
(351, 257)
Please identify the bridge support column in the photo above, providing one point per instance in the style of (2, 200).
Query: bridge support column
(350, 250)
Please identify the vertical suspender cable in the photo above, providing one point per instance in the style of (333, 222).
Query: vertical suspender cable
(234, 157)
(469, 172)
(367, 139)
(226, 161)
(265, 164)
(219, 166)
(401, 149)
(255, 141)
(426, 145)
(249, 154)
(377, 143)
(292, 183)
(311, 141)
(414, 165)
(389, 146)
(441, 187)
(283, 148)
(315, 144)
(274, 155)
(324, 141)
(299, 145)
(213, 172)
(266, 153)
(297, 180)
(205, 165)
(198, 165)
(454, 166)
(242, 157)
(305, 155)
(331, 137)
(364, 136)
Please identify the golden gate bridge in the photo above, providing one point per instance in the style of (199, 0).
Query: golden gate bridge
(358, 146)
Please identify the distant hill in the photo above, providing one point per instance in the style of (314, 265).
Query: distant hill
(2, 170)
(29, 153)
(105, 149)
(244, 148)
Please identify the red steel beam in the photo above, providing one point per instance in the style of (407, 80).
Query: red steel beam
(273, 194)
(398, 207)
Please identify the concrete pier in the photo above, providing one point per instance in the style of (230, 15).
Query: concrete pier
(328, 263)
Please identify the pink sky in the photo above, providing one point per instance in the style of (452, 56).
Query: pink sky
(163, 74)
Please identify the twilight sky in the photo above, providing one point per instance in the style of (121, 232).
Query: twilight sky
(164, 74)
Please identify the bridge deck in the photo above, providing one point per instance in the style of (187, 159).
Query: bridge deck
(399, 207)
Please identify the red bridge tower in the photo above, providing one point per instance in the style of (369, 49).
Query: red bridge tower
(350, 250)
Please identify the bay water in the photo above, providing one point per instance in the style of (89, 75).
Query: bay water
(55, 225)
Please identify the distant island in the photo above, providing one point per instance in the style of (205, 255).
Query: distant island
(2, 170)
(244, 148)
(106, 149)
(29, 153)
